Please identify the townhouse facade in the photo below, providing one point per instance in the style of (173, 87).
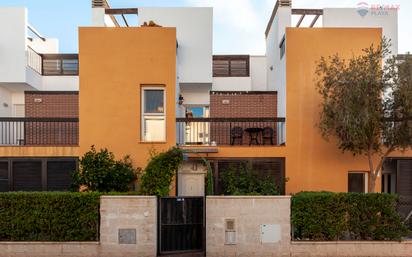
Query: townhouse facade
(135, 89)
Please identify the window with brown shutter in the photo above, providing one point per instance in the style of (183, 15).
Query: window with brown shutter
(4, 176)
(27, 175)
(59, 174)
(231, 66)
(357, 182)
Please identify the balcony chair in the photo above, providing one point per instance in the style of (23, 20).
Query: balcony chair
(236, 133)
(267, 134)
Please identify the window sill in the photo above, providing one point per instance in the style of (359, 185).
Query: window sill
(152, 142)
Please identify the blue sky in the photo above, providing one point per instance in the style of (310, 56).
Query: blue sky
(239, 25)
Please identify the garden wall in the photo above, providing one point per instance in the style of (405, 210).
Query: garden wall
(351, 249)
(127, 228)
(260, 227)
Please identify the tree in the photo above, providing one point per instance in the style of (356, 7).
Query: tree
(367, 106)
(100, 171)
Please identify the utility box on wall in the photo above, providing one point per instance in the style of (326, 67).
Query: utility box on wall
(270, 233)
(230, 232)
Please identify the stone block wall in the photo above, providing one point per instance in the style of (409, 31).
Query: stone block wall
(351, 249)
(249, 213)
(261, 227)
(128, 226)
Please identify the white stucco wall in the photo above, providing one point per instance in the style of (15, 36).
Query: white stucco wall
(49, 46)
(51, 83)
(258, 73)
(100, 19)
(194, 29)
(60, 83)
(13, 30)
(5, 102)
(196, 94)
(232, 84)
(349, 17)
(276, 67)
(255, 82)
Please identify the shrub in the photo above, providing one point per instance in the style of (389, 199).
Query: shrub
(49, 216)
(346, 216)
(245, 181)
(99, 171)
(159, 172)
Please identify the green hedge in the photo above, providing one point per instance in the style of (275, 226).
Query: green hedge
(49, 216)
(346, 216)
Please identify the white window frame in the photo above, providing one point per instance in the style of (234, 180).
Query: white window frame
(160, 116)
(366, 176)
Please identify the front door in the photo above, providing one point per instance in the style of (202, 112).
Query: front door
(191, 184)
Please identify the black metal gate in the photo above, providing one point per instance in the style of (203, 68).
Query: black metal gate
(181, 225)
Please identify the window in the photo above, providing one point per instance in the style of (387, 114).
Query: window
(358, 182)
(231, 66)
(282, 47)
(153, 114)
(197, 111)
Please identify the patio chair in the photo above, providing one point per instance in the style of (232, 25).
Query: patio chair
(236, 133)
(267, 134)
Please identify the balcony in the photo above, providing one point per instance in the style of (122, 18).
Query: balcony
(53, 64)
(39, 131)
(230, 131)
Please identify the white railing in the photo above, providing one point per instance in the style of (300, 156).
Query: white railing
(34, 60)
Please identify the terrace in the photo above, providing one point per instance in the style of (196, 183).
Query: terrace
(190, 131)
(39, 131)
(230, 131)
(53, 64)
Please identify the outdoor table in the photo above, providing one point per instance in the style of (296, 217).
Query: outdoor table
(254, 134)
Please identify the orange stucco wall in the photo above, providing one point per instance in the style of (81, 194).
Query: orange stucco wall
(39, 151)
(114, 64)
(313, 163)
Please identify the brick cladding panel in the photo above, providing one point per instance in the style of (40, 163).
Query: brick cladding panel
(52, 105)
(64, 105)
(243, 105)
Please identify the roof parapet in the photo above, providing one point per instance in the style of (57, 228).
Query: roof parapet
(279, 3)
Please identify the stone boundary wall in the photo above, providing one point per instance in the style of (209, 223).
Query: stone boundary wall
(49, 249)
(128, 227)
(235, 226)
(351, 249)
(261, 226)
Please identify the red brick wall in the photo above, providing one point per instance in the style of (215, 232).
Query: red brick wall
(243, 105)
(52, 104)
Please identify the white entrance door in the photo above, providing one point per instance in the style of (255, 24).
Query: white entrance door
(191, 184)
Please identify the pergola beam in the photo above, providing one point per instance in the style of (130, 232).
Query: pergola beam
(307, 11)
(114, 11)
(300, 20)
(125, 21)
(314, 21)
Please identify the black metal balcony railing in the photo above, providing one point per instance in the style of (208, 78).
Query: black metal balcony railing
(230, 131)
(39, 131)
